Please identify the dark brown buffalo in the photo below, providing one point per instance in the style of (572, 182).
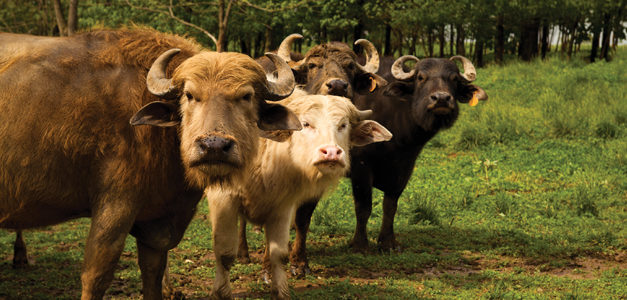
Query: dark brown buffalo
(68, 150)
(326, 69)
(414, 106)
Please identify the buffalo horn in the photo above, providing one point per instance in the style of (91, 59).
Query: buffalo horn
(469, 69)
(364, 114)
(397, 67)
(156, 81)
(286, 46)
(281, 86)
(372, 56)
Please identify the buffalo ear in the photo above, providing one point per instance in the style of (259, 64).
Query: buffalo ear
(157, 113)
(276, 117)
(369, 82)
(469, 91)
(399, 89)
(369, 131)
(480, 93)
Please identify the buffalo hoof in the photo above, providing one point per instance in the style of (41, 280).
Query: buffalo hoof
(20, 262)
(265, 276)
(243, 258)
(389, 245)
(359, 245)
(177, 295)
(300, 270)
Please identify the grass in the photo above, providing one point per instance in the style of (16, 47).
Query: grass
(525, 197)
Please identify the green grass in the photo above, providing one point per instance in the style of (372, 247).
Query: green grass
(525, 197)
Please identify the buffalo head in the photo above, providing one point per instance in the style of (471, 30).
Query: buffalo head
(218, 100)
(433, 87)
(332, 68)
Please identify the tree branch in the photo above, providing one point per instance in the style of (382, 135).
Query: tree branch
(170, 14)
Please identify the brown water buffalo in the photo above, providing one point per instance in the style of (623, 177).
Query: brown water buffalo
(284, 175)
(327, 69)
(68, 150)
(414, 106)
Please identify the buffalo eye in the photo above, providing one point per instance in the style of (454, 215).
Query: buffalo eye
(421, 77)
(350, 66)
(342, 127)
(247, 97)
(189, 96)
(312, 66)
(306, 124)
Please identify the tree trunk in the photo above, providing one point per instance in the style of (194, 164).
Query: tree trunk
(359, 28)
(479, 53)
(451, 39)
(223, 22)
(528, 47)
(461, 48)
(400, 43)
(605, 41)
(545, 40)
(268, 40)
(72, 18)
(58, 11)
(571, 42)
(243, 47)
(442, 42)
(430, 42)
(387, 51)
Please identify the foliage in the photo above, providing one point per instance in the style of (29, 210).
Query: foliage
(405, 26)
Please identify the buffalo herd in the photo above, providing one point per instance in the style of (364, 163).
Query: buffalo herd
(132, 127)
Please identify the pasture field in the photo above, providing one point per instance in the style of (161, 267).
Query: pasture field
(525, 197)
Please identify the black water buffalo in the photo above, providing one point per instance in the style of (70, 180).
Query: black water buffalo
(414, 106)
(71, 145)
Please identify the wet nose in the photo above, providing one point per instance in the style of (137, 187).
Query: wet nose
(337, 87)
(330, 152)
(442, 97)
(214, 145)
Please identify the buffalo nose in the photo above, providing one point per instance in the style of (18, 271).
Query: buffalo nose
(337, 87)
(440, 97)
(330, 152)
(214, 145)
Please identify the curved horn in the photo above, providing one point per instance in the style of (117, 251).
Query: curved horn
(397, 67)
(372, 56)
(286, 46)
(469, 69)
(156, 81)
(282, 86)
(364, 114)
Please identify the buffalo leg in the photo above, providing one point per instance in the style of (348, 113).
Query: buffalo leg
(242, 247)
(298, 255)
(155, 238)
(110, 225)
(277, 232)
(386, 239)
(152, 263)
(362, 194)
(20, 257)
(223, 212)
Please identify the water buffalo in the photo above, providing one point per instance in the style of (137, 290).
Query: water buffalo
(68, 150)
(283, 176)
(414, 106)
(327, 69)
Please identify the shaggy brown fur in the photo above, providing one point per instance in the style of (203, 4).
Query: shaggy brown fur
(67, 149)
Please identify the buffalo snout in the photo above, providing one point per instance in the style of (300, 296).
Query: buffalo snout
(330, 156)
(337, 87)
(215, 149)
(441, 102)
